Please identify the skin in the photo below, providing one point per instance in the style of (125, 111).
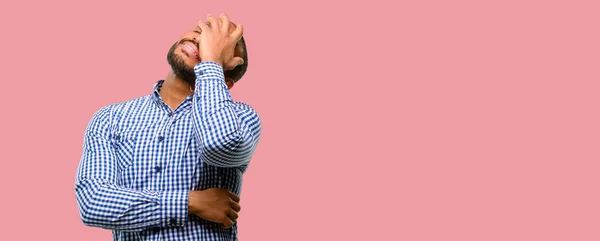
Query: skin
(212, 44)
(175, 89)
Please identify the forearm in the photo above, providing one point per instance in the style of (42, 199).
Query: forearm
(105, 205)
(229, 132)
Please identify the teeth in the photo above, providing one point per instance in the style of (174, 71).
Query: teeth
(189, 46)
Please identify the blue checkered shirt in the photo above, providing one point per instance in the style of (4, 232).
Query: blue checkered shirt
(140, 160)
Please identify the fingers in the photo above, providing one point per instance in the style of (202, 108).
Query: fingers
(225, 22)
(239, 31)
(203, 26)
(238, 61)
(232, 215)
(218, 35)
(235, 206)
(234, 197)
(234, 62)
(213, 21)
(227, 223)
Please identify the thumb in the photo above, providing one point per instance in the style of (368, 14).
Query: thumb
(234, 63)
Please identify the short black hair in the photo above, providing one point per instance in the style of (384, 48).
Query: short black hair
(238, 72)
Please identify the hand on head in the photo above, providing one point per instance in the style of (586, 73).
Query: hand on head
(217, 41)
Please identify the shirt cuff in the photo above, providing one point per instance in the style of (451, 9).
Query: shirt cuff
(174, 208)
(209, 71)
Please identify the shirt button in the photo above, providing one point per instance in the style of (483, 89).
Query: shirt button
(118, 137)
(200, 72)
(170, 114)
(173, 221)
(160, 138)
(157, 168)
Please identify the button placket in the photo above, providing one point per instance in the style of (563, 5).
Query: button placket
(165, 127)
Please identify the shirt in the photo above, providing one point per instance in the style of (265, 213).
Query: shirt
(141, 158)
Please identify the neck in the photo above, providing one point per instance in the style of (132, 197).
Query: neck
(174, 90)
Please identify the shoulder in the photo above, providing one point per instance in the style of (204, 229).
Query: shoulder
(246, 108)
(242, 105)
(106, 115)
(249, 116)
(120, 108)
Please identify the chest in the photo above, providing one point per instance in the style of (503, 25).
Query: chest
(161, 151)
(155, 150)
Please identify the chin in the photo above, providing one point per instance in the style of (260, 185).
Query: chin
(190, 62)
(193, 64)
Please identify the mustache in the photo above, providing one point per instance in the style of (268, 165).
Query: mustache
(180, 42)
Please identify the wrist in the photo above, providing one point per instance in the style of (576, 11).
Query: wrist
(192, 201)
(209, 71)
(209, 58)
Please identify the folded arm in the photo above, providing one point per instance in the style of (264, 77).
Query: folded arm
(229, 131)
(105, 204)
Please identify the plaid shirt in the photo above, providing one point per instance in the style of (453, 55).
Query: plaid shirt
(140, 160)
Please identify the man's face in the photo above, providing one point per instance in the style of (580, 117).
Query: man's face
(184, 55)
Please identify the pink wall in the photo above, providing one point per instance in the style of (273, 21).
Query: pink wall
(420, 120)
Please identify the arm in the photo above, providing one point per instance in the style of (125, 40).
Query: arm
(229, 131)
(102, 203)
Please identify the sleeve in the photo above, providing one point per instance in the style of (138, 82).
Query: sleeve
(102, 203)
(229, 131)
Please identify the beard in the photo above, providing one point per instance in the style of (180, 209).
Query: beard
(180, 69)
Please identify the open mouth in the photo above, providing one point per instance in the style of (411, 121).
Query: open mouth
(190, 49)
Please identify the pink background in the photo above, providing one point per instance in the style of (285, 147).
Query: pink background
(420, 120)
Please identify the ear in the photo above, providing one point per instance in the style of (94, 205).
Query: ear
(229, 83)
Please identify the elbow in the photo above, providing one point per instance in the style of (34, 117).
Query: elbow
(233, 148)
(86, 194)
(86, 219)
(234, 152)
(84, 204)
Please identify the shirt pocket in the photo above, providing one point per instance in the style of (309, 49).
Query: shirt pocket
(124, 144)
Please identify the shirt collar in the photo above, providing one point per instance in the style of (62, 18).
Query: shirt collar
(156, 90)
(156, 93)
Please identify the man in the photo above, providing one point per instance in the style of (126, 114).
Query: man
(168, 166)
